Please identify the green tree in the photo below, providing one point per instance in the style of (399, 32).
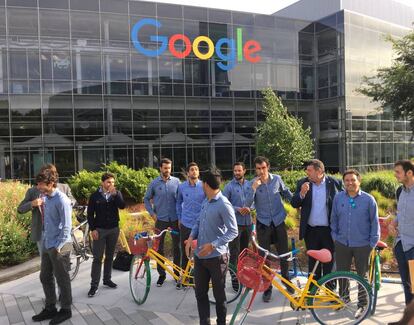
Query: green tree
(393, 87)
(282, 137)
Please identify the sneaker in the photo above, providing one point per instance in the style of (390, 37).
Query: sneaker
(110, 284)
(45, 314)
(178, 285)
(61, 316)
(359, 312)
(161, 280)
(267, 296)
(93, 291)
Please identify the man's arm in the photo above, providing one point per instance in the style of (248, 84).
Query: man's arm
(297, 199)
(179, 203)
(285, 192)
(26, 204)
(119, 200)
(334, 219)
(68, 192)
(65, 216)
(91, 212)
(147, 199)
(375, 227)
(229, 219)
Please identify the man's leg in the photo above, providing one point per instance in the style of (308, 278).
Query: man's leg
(176, 244)
(282, 247)
(264, 237)
(110, 242)
(61, 265)
(312, 242)
(161, 225)
(404, 270)
(202, 279)
(327, 242)
(361, 257)
(245, 232)
(234, 247)
(184, 234)
(98, 248)
(47, 279)
(218, 267)
(343, 257)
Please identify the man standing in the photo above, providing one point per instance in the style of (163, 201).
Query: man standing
(33, 201)
(236, 192)
(214, 229)
(266, 192)
(404, 242)
(56, 242)
(190, 196)
(103, 220)
(355, 229)
(163, 193)
(314, 195)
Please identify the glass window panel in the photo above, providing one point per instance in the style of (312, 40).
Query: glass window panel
(85, 25)
(92, 5)
(33, 62)
(54, 23)
(61, 66)
(142, 8)
(58, 4)
(22, 3)
(18, 65)
(2, 22)
(114, 6)
(46, 63)
(219, 16)
(140, 68)
(169, 10)
(118, 67)
(195, 13)
(90, 67)
(22, 21)
(115, 27)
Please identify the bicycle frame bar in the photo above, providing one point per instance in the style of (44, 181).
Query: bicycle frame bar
(266, 252)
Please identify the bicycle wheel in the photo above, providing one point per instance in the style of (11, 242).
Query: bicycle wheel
(241, 308)
(139, 279)
(232, 286)
(352, 290)
(375, 283)
(74, 262)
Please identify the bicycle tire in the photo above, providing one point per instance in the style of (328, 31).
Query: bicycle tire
(74, 262)
(139, 279)
(239, 306)
(233, 287)
(333, 283)
(376, 278)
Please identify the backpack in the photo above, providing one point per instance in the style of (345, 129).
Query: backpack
(398, 193)
(122, 261)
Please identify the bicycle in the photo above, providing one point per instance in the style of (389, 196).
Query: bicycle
(144, 248)
(334, 299)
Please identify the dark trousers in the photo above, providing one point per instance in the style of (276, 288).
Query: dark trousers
(402, 259)
(277, 235)
(161, 225)
(213, 269)
(106, 243)
(184, 234)
(344, 256)
(238, 244)
(56, 265)
(317, 238)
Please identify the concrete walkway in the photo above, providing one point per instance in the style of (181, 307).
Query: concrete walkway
(22, 298)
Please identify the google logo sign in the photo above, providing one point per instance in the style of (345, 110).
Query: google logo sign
(236, 50)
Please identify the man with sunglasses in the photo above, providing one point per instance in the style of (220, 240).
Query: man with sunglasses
(355, 230)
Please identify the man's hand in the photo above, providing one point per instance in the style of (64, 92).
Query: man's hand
(304, 189)
(37, 203)
(112, 190)
(257, 182)
(154, 217)
(95, 234)
(205, 250)
(244, 211)
(188, 246)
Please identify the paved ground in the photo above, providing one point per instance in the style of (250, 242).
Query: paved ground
(20, 299)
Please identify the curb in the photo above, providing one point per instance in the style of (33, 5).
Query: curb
(20, 270)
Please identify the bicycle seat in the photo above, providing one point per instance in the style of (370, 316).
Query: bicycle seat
(322, 255)
(193, 244)
(381, 245)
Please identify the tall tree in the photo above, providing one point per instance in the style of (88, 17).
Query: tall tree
(282, 137)
(393, 87)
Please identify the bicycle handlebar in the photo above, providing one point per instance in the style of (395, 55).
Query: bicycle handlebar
(291, 254)
(151, 237)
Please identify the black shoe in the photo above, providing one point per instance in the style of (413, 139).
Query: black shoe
(93, 291)
(289, 289)
(267, 295)
(110, 284)
(45, 314)
(235, 284)
(161, 280)
(61, 316)
(178, 285)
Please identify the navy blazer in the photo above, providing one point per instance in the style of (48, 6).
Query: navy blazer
(333, 186)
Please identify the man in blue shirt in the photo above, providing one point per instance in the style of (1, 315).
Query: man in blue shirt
(214, 229)
(56, 241)
(160, 201)
(189, 198)
(355, 229)
(236, 192)
(314, 196)
(267, 191)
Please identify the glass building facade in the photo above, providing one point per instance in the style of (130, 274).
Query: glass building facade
(75, 91)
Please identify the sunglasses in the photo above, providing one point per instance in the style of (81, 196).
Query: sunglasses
(352, 202)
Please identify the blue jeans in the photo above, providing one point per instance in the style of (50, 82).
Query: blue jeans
(402, 259)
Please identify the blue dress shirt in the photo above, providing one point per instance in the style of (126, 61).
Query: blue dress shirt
(163, 195)
(319, 213)
(217, 225)
(189, 200)
(237, 193)
(354, 221)
(405, 218)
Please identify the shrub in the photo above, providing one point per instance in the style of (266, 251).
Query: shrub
(384, 204)
(83, 184)
(382, 181)
(290, 223)
(291, 177)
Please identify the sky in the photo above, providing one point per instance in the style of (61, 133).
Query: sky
(256, 6)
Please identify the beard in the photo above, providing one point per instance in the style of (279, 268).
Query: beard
(238, 177)
(165, 174)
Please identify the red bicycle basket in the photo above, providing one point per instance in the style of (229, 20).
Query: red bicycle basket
(140, 246)
(249, 271)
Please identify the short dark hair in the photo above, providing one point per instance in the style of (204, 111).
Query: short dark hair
(315, 163)
(106, 176)
(406, 164)
(47, 176)
(49, 167)
(352, 172)
(239, 163)
(165, 161)
(212, 177)
(260, 160)
(191, 164)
